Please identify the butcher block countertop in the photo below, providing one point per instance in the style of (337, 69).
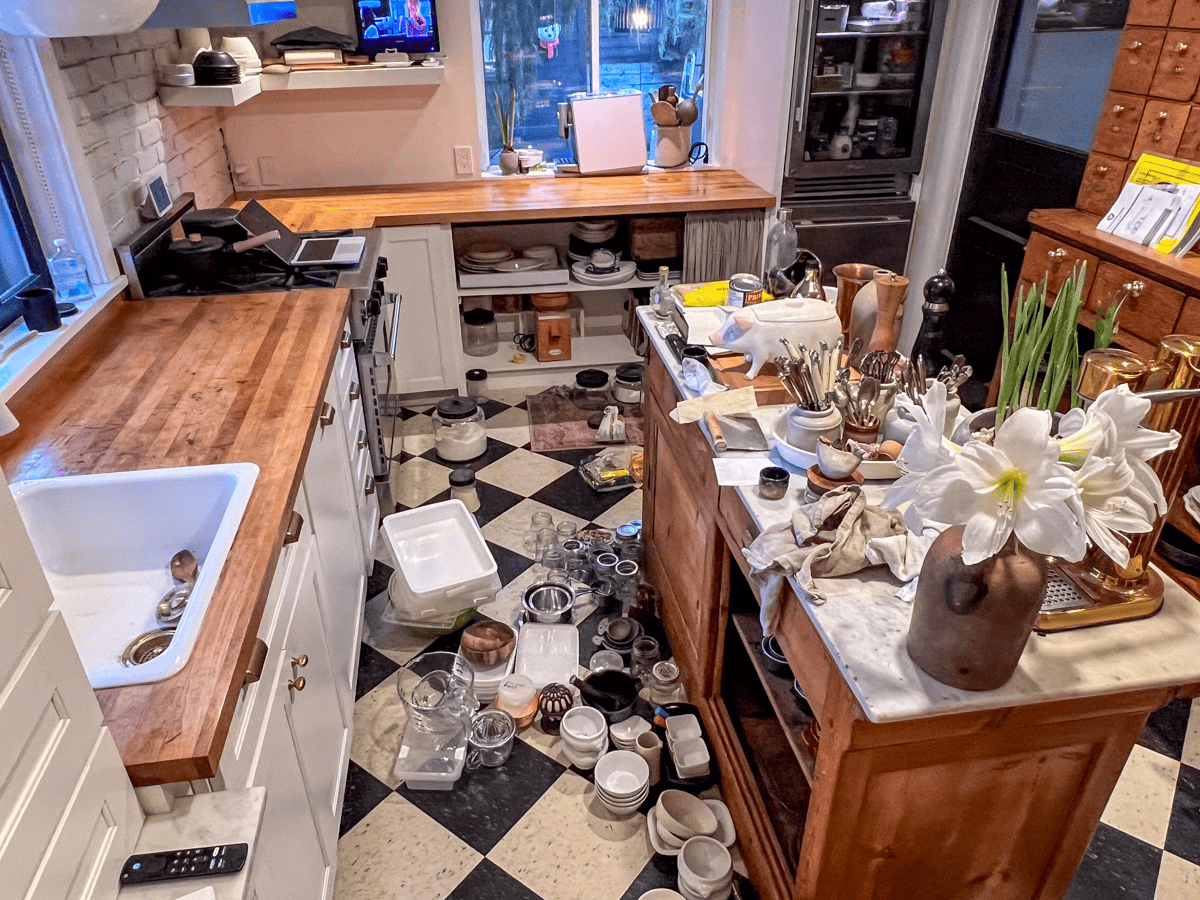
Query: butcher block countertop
(197, 381)
(512, 199)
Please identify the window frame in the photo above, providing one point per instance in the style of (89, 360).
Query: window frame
(39, 271)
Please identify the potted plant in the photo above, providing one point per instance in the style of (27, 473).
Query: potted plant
(508, 160)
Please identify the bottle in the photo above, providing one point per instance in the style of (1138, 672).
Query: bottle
(71, 282)
(810, 287)
(661, 298)
(462, 487)
(782, 244)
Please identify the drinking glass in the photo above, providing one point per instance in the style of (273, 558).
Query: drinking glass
(537, 522)
(546, 539)
(554, 557)
(567, 531)
(644, 656)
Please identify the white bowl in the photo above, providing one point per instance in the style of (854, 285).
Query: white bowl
(583, 725)
(868, 80)
(661, 894)
(687, 893)
(658, 835)
(705, 865)
(622, 774)
(726, 834)
(594, 745)
(625, 802)
(691, 758)
(579, 760)
(622, 809)
(685, 816)
(683, 728)
(625, 733)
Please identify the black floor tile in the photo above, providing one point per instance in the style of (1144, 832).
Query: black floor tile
(364, 792)
(495, 450)
(491, 408)
(1166, 728)
(406, 413)
(524, 404)
(373, 667)
(486, 803)
(487, 881)
(493, 501)
(508, 564)
(570, 493)
(1183, 834)
(1117, 866)
(660, 872)
(570, 457)
(381, 575)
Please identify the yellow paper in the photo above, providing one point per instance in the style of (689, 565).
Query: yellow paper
(1151, 169)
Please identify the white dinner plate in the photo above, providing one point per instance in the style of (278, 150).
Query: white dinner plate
(624, 272)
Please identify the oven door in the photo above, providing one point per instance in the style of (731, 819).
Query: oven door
(375, 349)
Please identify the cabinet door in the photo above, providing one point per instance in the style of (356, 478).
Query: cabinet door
(320, 724)
(429, 347)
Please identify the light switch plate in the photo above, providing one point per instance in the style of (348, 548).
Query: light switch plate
(268, 171)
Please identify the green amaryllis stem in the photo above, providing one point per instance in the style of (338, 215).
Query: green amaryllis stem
(1065, 316)
(1011, 374)
(1106, 325)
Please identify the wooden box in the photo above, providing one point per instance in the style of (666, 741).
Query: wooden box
(655, 237)
(553, 337)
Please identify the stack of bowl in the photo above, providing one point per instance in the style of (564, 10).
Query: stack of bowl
(675, 821)
(584, 732)
(705, 870)
(623, 782)
(625, 733)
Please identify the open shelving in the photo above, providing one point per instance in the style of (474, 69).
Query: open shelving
(300, 80)
(211, 94)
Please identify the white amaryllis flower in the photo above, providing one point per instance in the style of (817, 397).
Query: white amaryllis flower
(1016, 486)
(925, 448)
(1113, 502)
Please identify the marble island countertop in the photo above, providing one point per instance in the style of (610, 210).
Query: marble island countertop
(864, 625)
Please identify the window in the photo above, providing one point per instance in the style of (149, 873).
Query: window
(547, 50)
(21, 261)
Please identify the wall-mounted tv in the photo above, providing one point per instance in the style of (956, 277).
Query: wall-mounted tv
(409, 26)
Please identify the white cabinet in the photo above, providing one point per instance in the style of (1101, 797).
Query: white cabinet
(429, 353)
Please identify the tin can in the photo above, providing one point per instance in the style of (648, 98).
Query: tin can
(745, 289)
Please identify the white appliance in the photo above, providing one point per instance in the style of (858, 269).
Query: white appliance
(608, 133)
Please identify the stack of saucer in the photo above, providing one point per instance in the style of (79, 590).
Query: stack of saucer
(483, 256)
(619, 634)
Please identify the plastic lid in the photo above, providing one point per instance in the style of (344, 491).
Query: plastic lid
(462, 478)
(476, 374)
(630, 372)
(516, 692)
(456, 407)
(479, 317)
(591, 378)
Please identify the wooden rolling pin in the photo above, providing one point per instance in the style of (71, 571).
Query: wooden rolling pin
(718, 434)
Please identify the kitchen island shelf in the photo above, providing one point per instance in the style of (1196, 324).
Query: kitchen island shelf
(822, 35)
(602, 351)
(571, 287)
(850, 92)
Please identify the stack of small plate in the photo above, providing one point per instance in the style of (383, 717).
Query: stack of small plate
(622, 781)
(483, 256)
(586, 236)
(584, 273)
(624, 734)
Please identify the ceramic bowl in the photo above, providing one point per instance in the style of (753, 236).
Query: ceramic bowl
(583, 726)
(725, 834)
(704, 865)
(691, 758)
(664, 834)
(661, 894)
(622, 775)
(683, 728)
(581, 761)
(685, 816)
(622, 808)
(625, 733)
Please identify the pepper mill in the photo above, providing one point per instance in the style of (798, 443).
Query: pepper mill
(890, 290)
(931, 339)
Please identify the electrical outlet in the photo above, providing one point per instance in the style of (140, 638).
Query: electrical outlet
(464, 161)
(268, 171)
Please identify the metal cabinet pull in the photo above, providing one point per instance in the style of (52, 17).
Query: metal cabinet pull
(258, 659)
(300, 661)
(1156, 137)
(1057, 255)
(1179, 70)
(1118, 109)
(355, 390)
(295, 526)
(327, 413)
(369, 486)
(1100, 170)
(297, 685)
(1162, 115)
(361, 443)
(346, 341)
(1134, 288)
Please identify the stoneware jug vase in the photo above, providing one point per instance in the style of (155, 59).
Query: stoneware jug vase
(509, 161)
(970, 623)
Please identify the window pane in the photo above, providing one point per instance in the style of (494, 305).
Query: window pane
(14, 266)
(514, 55)
(645, 44)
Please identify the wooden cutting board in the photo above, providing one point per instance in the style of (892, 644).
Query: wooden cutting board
(732, 370)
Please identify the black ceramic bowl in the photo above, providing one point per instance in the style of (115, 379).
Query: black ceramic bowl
(216, 67)
(613, 692)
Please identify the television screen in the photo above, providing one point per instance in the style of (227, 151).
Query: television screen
(406, 25)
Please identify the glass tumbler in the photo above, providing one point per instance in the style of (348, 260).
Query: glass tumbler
(554, 557)
(626, 577)
(537, 522)
(643, 658)
(492, 733)
(567, 531)
(546, 539)
(577, 557)
(604, 565)
(631, 550)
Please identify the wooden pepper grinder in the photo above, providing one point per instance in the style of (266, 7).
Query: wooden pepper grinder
(890, 289)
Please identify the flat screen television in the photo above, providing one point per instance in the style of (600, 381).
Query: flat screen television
(409, 26)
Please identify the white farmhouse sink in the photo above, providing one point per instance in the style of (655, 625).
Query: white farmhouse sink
(106, 541)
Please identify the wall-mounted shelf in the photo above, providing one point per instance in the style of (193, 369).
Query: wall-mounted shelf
(353, 77)
(210, 94)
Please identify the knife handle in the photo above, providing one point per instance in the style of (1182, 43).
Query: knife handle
(718, 434)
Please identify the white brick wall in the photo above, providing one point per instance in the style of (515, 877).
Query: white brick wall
(127, 136)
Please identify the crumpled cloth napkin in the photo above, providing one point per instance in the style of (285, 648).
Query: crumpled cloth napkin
(724, 403)
(837, 534)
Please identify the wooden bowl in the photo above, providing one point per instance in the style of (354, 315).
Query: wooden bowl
(487, 644)
(550, 302)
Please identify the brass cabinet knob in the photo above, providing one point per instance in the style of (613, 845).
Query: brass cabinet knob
(1136, 45)
(300, 661)
(1134, 288)
(1100, 170)
(1162, 115)
(1118, 109)
(1179, 70)
(369, 486)
(295, 527)
(1057, 254)
(346, 342)
(1156, 136)
(297, 685)
(1181, 48)
(327, 413)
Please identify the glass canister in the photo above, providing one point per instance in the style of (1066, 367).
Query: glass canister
(627, 388)
(492, 733)
(477, 383)
(479, 332)
(665, 684)
(463, 487)
(458, 432)
(643, 658)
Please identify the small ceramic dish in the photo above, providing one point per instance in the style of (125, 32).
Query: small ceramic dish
(725, 834)
(691, 758)
(682, 728)
(871, 469)
(661, 839)
(622, 775)
(625, 733)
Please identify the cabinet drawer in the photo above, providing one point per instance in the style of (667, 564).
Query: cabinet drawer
(1161, 128)
(1103, 179)
(1149, 312)
(686, 443)
(1118, 124)
(1185, 14)
(1148, 12)
(1137, 57)
(344, 367)
(355, 425)
(805, 652)
(1178, 69)
(1046, 257)
(1189, 317)
(1189, 141)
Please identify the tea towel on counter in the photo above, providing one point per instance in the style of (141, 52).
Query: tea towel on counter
(837, 534)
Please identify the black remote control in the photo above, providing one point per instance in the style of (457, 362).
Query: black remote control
(166, 865)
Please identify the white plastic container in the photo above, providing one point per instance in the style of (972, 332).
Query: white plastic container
(548, 654)
(442, 562)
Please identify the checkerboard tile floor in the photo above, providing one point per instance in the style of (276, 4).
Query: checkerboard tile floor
(533, 829)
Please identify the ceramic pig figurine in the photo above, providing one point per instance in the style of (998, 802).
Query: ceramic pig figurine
(756, 330)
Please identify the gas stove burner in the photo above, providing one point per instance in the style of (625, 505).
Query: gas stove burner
(247, 273)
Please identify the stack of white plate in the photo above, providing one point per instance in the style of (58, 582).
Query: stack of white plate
(487, 681)
(584, 274)
(625, 734)
(622, 781)
(542, 251)
(675, 276)
(483, 256)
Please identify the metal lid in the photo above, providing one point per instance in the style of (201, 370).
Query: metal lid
(462, 478)
(479, 317)
(456, 407)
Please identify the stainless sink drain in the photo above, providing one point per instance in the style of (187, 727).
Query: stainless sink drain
(146, 647)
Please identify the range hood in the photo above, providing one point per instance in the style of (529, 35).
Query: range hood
(72, 18)
(217, 13)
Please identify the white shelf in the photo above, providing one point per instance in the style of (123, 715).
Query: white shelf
(573, 287)
(353, 77)
(586, 352)
(210, 94)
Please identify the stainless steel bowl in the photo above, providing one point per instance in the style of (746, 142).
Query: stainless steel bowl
(549, 602)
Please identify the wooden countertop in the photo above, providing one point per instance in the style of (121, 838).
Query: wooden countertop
(512, 199)
(158, 383)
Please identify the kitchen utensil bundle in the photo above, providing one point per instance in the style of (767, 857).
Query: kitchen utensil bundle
(955, 375)
(668, 109)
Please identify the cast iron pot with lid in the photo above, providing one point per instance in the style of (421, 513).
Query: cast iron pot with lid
(203, 258)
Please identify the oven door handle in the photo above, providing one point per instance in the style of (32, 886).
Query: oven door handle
(394, 336)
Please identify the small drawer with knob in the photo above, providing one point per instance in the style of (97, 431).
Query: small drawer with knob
(1189, 141)
(1117, 127)
(1185, 14)
(1103, 179)
(1148, 309)
(1161, 128)
(1137, 60)
(1049, 258)
(1178, 70)
(1148, 12)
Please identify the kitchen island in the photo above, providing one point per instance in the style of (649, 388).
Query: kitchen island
(911, 788)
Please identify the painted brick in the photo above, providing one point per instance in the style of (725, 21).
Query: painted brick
(146, 159)
(150, 133)
(116, 95)
(163, 56)
(129, 143)
(106, 184)
(90, 134)
(176, 167)
(129, 42)
(126, 65)
(142, 88)
(77, 80)
(126, 171)
(72, 50)
(101, 71)
(104, 45)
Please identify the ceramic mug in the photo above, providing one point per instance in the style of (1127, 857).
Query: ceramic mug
(649, 747)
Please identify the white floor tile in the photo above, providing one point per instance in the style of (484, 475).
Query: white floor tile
(511, 529)
(421, 424)
(595, 855)
(1141, 802)
(516, 436)
(507, 604)
(418, 480)
(379, 721)
(1178, 879)
(510, 418)
(523, 472)
(629, 508)
(1191, 741)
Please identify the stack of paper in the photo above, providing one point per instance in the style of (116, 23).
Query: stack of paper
(1159, 206)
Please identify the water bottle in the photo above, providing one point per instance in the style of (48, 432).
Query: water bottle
(782, 244)
(67, 268)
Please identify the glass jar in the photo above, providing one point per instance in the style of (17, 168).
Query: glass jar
(458, 432)
(477, 383)
(642, 658)
(492, 733)
(591, 389)
(462, 487)
(665, 684)
(479, 332)
(627, 388)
